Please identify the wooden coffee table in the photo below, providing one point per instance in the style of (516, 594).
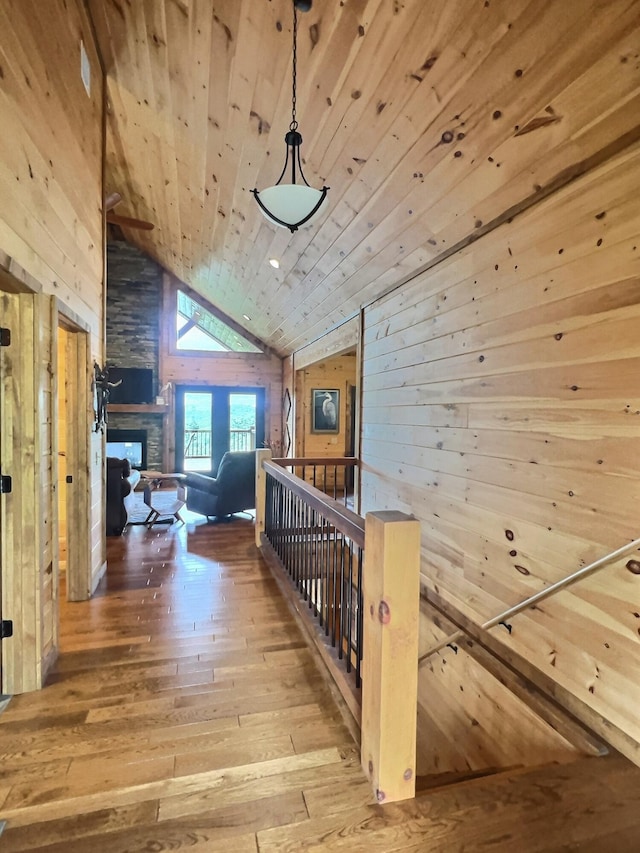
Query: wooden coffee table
(168, 514)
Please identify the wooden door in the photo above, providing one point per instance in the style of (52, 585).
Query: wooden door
(4, 342)
(29, 516)
(74, 375)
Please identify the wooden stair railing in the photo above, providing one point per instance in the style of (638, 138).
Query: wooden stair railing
(385, 619)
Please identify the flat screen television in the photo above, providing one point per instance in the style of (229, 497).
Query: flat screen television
(136, 385)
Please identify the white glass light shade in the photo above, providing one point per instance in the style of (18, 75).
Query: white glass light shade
(291, 203)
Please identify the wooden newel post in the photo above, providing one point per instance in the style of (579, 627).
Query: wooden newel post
(261, 492)
(391, 596)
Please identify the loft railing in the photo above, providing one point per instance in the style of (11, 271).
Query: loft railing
(536, 598)
(320, 544)
(332, 476)
(355, 586)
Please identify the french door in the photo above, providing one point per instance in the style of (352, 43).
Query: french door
(213, 419)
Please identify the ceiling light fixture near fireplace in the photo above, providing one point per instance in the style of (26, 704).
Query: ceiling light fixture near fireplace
(294, 204)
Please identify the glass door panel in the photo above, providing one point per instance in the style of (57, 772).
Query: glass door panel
(197, 430)
(242, 421)
(211, 420)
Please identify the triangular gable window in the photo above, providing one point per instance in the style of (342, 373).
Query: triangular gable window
(198, 329)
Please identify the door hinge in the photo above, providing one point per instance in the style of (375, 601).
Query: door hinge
(6, 629)
(5, 337)
(6, 484)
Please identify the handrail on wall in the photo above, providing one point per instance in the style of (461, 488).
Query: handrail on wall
(537, 597)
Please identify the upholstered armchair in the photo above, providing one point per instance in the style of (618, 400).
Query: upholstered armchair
(121, 481)
(233, 489)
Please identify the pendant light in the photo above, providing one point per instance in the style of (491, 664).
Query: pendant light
(291, 205)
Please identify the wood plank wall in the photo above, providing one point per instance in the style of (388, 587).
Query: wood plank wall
(342, 339)
(486, 726)
(315, 364)
(338, 372)
(501, 405)
(427, 119)
(51, 152)
(51, 238)
(260, 370)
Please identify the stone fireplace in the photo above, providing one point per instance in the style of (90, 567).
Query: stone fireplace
(128, 444)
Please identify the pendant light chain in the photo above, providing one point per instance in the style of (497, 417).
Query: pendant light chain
(294, 123)
(290, 203)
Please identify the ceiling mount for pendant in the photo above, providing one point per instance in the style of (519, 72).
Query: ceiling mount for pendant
(293, 204)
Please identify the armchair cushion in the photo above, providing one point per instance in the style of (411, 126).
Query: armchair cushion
(233, 489)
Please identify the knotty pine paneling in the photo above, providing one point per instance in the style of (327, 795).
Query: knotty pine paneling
(51, 151)
(501, 405)
(344, 338)
(319, 365)
(429, 121)
(339, 372)
(259, 370)
(468, 720)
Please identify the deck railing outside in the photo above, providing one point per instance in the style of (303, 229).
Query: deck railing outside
(242, 439)
(197, 442)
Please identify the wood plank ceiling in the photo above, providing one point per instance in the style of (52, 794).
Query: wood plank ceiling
(431, 120)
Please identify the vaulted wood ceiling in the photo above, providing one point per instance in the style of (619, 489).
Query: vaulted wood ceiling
(431, 121)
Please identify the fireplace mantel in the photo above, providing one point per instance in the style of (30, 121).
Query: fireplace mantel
(149, 408)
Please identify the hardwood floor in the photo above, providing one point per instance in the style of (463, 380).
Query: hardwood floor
(186, 713)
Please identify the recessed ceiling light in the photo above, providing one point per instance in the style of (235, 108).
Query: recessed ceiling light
(275, 263)
(247, 317)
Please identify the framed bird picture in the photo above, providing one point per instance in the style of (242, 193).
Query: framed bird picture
(325, 410)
